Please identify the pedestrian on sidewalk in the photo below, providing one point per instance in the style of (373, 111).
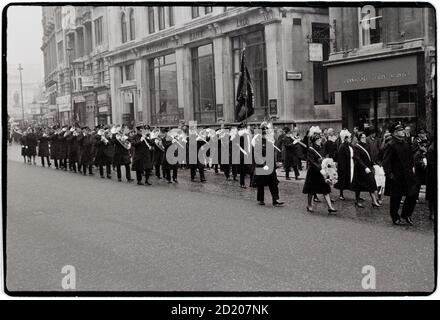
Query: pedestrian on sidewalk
(315, 182)
(401, 181)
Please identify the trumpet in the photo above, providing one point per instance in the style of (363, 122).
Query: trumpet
(144, 134)
(123, 140)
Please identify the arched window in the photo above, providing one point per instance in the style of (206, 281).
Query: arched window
(123, 28)
(132, 26)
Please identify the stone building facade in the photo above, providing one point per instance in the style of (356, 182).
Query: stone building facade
(382, 61)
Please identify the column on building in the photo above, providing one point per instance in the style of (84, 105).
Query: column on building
(142, 79)
(275, 65)
(115, 95)
(184, 82)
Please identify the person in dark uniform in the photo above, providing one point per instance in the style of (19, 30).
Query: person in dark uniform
(265, 173)
(43, 147)
(31, 142)
(420, 163)
(158, 154)
(73, 149)
(54, 146)
(86, 146)
(23, 144)
(246, 162)
(142, 159)
(363, 175)
(398, 164)
(122, 155)
(63, 148)
(104, 154)
(170, 170)
(292, 152)
(315, 182)
(197, 165)
(345, 164)
(431, 177)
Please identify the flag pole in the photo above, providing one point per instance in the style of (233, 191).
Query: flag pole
(245, 83)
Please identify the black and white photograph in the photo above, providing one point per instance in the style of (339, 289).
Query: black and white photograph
(271, 149)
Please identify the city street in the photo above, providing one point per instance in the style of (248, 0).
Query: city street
(200, 237)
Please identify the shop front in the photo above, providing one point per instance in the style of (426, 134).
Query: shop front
(64, 105)
(104, 109)
(90, 110)
(376, 93)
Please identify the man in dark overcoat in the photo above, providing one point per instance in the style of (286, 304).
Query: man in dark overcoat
(86, 146)
(142, 159)
(398, 164)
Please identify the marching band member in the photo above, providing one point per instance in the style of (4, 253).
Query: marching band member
(54, 145)
(31, 143)
(246, 161)
(200, 141)
(292, 152)
(122, 156)
(103, 155)
(63, 148)
(86, 143)
(23, 144)
(142, 159)
(268, 179)
(43, 147)
(158, 151)
(167, 141)
(73, 148)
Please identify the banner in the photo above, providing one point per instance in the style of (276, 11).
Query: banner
(245, 93)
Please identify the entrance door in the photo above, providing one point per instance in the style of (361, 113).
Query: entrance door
(363, 110)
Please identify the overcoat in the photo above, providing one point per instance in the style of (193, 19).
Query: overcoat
(142, 158)
(363, 181)
(43, 146)
(121, 156)
(292, 153)
(270, 178)
(31, 142)
(54, 146)
(398, 165)
(62, 146)
(315, 183)
(345, 167)
(86, 147)
(104, 153)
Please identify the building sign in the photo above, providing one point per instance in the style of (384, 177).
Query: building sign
(52, 88)
(87, 81)
(79, 99)
(273, 108)
(293, 75)
(103, 109)
(388, 72)
(157, 47)
(63, 103)
(103, 97)
(315, 52)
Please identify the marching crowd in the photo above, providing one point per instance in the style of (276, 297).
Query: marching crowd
(392, 163)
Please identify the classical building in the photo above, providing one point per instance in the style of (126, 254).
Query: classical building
(76, 74)
(171, 64)
(382, 61)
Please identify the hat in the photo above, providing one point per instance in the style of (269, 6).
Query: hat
(85, 128)
(344, 134)
(286, 129)
(140, 125)
(396, 126)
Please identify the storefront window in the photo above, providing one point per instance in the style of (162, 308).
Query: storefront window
(163, 90)
(256, 63)
(371, 27)
(204, 84)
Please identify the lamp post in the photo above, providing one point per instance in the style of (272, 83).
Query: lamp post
(21, 88)
(69, 50)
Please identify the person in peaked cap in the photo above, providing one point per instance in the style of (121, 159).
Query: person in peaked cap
(142, 160)
(398, 164)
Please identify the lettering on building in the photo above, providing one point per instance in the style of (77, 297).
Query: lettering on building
(241, 22)
(196, 35)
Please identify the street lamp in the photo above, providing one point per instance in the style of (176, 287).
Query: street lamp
(21, 87)
(69, 50)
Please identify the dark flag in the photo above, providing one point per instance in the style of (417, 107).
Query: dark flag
(245, 93)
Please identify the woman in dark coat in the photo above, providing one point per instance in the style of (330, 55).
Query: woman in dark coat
(122, 156)
(315, 183)
(104, 153)
(43, 147)
(87, 153)
(345, 164)
(32, 142)
(363, 175)
(330, 146)
(431, 185)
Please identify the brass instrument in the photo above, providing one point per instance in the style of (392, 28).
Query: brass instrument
(101, 132)
(144, 134)
(123, 140)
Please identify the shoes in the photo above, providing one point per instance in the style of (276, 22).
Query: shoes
(102, 177)
(243, 187)
(130, 180)
(147, 183)
(376, 205)
(309, 209)
(341, 198)
(119, 179)
(109, 176)
(316, 200)
(398, 222)
(261, 203)
(332, 200)
(288, 178)
(278, 203)
(298, 178)
(332, 211)
(235, 179)
(359, 205)
(169, 181)
(140, 183)
(202, 180)
(409, 221)
(175, 181)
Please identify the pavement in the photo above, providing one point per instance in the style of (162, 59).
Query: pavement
(200, 237)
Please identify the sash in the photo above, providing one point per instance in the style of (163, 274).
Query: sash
(369, 158)
(320, 157)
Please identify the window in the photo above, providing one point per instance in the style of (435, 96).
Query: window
(161, 14)
(129, 72)
(60, 51)
(320, 34)
(163, 90)
(58, 24)
(208, 10)
(150, 19)
(256, 64)
(123, 28)
(171, 16)
(132, 25)
(98, 31)
(370, 25)
(62, 85)
(204, 84)
(100, 71)
(195, 12)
